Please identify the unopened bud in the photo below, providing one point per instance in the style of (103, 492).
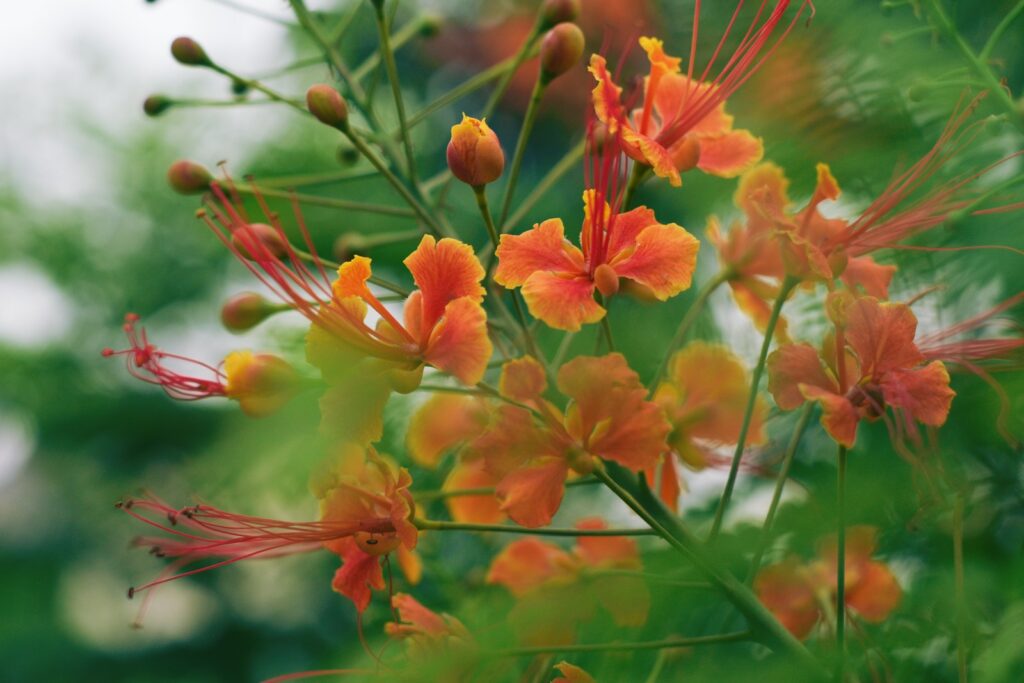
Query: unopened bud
(554, 12)
(561, 50)
(188, 177)
(327, 105)
(261, 382)
(245, 311)
(430, 26)
(259, 241)
(154, 105)
(605, 279)
(188, 52)
(474, 152)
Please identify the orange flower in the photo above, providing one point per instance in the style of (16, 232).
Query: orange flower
(608, 417)
(797, 593)
(423, 629)
(541, 574)
(704, 398)
(886, 368)
(682, 123)
(572, 674)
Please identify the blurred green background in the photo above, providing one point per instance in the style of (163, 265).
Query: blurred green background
(90, 230)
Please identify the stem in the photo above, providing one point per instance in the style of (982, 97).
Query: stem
(841, 563)
(531, 343)
(486, 490)
(237, 102)
(636, 177)
(684, 325)
(299, 180)
(659, 664)
(606, 332)
(517, 60)
(780, 484)
(437, 525)
(481, 201)
(256, 85)
(787, 286)
(564, 165)
(398, 39)
(396, 88)
(997, 34)
(524, 135)
(348, 205)
(736, 637)
(961, 597)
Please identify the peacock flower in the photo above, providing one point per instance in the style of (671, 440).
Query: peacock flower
(531, 451)
(261, 383)
(366, 512)
(883, 368)
(593, 573)
(704, 397)
(801, 594)
(682, 123)
(559, 279)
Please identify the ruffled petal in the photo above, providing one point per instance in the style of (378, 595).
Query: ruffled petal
(838, 416)
(924, 392)
(763, 196)
(606, 95)
(444, 271)
(563, 302)
(791, 365)
(541, 248)
(524, 565)
(663, 260)
(442, 423)
(531, 495)
(523, 379)
(872, 278)
(511, 441)
(352, 277)
(359, 575)
(482, 509)
(656, 155)
(730, 154)
(882, 334)
(459, 344)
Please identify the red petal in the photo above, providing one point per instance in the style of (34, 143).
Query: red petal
(572, 674)
(664, 259)
(523, 379)
(791, 365)
(873, 278)
(924, 393)
(483, 509)
(527, 564)
(444, 271)
(459, 344)
(542, 248)
(730, 154)
(531, 495)
(876, 594)
(882, 334)
(443, 423)
(359, 575)
(839, 417)
(786, 592)
(563, 302)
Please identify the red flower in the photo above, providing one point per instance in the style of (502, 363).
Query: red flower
(886, 369)
(260, 382)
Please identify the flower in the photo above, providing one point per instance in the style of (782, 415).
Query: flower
(541, 574)
(530, 452)
(559, 280)
(682, 123)
(474, 152)
(572, 674)
(261, 383)
(704, 397)
(886, 369)
(422, 628)
(800, 595)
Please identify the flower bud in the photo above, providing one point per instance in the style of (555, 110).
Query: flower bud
(430, 26)
(557, 11)
(245, 311)
(259, 241)
(561, 49)
(605, 279)
(188, 52)
(327, 105)
(154, 105)
(188, 177)
(474, 152)
(261, 383)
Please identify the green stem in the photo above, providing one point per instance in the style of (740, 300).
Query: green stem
(315, 200)
(659, 665)
(303, 179)
(343, 25)
(524, 135)
(692, 313)
(841, 563)
(396, 87)
(997, 34)
(606, 331)
(635, 178)
(961, 597)
(780, 484)
(480, 191)
(438, 525)
(486, 490)
(240, 102)
(257, 85)
(741, 442)
(564, 165)
(397, 40)
(626, 647)
(517, 60)
(531, 343)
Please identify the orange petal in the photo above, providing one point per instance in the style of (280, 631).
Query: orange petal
(442, 423)
(444, 271)
(676, 93)
(838, 416)
(615, 419)
(763, 195)
(523, 379)
(541, 248)
(656, 155)
(605, 551)
(876, 594)
(411, 565)
(784, 589)
(663, 261)
(730, 154)
(482, 509)
(531, 495)
(527, 564)
(352, 277)
(655, 50)
(756, 308)
(923, 392)
(563, 302)
(359, 575)
(572, 674)
(828, 187)
(882, 334)
(627, 226)
(412, 612)
(511, 441)
(606, 95)
(873, 278)
(791, 365)
(459, 344)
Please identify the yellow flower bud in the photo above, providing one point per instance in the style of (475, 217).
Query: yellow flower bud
(474, 153)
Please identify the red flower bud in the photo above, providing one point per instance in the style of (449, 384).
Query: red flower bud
(259, 241)
(327, 105)
(561, 49)
(188, 177)
(188, 52)
(556, 11)
(474, 153)
(245, 311)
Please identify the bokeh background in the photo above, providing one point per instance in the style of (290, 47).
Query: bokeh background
(89, 230)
